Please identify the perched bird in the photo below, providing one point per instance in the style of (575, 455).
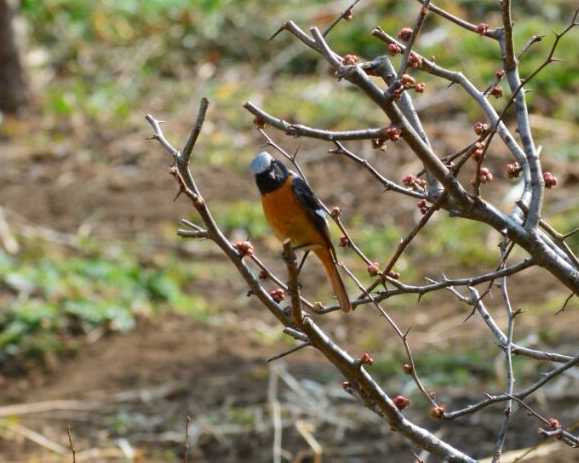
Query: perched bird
(295, 213)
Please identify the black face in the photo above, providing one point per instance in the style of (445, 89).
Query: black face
(272, 178)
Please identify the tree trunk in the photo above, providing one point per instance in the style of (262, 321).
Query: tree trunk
(13, 88)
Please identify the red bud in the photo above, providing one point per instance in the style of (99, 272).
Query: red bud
(405, 33)
(277, 294)
(245, 248)
(437, 412)
(401, 402)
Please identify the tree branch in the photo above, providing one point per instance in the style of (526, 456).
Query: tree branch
(373, 395)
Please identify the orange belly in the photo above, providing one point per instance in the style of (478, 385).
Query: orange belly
(288, 218)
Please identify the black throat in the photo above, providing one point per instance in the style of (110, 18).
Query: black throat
(272, 178)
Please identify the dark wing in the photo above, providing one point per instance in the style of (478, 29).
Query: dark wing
(313, 206)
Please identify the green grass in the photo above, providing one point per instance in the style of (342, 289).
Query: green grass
(438, 367)
(111, 59)
(128, 46)
(61, 296)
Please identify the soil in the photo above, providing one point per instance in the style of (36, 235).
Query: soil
(217, 374)
(217, 377)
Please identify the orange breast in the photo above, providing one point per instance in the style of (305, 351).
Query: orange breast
(288, 218)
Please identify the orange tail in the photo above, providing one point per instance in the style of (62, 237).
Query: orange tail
(332, 271)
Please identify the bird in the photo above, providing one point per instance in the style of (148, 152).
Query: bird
(294, 212)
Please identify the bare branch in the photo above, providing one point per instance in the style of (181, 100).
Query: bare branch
(532, 41)
(71, 444)
(520, 395)
(459, 78)
(298, 130)
(159, 136)
(510, 373)
(431, 162)
(557, 237)
(289, 256)
(194, 135)
(373, 395)
(347, 14)
(559, 433)
(407, 240)
(415, 31)
(517, 85)
(388, 184)
(507, 36)
(402, 288)
(502, 339)
(491, 33)
(288, 352)
(403, 337)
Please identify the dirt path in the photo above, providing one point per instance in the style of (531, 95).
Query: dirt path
(174, 367)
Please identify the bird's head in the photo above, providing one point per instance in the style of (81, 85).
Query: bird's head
(269, 172)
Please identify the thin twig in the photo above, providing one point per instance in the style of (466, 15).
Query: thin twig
(402, 288)
(520, 395)
(374, 395)
(491, 33)
(71, 444)
(508, 349)
(407, 240)
(187, 444)
(299, 130)
(275, 414)
(560, 433)
(194, 135)
(346, 14)
(402, 335)
(415, 31)
(388, 184)
(288, 352)
(507, 36)
(564, 306)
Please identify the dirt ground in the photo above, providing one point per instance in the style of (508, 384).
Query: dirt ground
(132, 393)
(146, 383)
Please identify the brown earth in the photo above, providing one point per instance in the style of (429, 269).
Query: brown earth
(179, 368)
(216, 373)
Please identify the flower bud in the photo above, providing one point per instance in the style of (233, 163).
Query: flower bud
(245, 248)
(414, 60)
(407, 81)
(401, 402)
(513, 169)
(486, 176)
(437, 412)
(366, 359)
(393, 133)
(554, 423)
(394, 49)
(482, 28)
(336, 212)
(422, 206)
(497, 91)
(480, 127)
(550, 180)
(277, 294)
(350, 59)
(405, 33)
(373, 269)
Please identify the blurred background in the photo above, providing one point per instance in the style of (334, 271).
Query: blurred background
(103, 306)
